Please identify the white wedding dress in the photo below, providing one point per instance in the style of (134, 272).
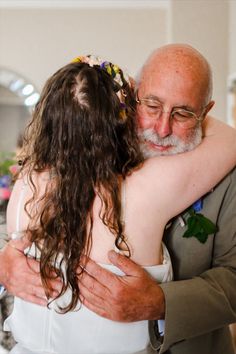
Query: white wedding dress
(37, 329)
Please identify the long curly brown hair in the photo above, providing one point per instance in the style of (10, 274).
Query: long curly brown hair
(79, 133)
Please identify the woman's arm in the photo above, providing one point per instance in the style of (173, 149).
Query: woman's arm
(23, 191)
(184, 178)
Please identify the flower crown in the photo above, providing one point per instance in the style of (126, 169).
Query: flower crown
(112, 69)
(115, 72)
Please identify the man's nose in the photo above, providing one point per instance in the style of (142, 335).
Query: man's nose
(163, 125)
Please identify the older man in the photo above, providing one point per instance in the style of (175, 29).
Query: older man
(175, 86)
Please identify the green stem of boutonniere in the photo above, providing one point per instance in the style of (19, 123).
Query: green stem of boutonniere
(199, 226)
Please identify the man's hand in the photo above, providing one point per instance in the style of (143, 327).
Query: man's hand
(20, 275)
(132, 297)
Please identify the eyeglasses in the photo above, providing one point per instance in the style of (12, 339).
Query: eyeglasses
(154, 109)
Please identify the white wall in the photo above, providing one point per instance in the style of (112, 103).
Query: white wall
(36, 42)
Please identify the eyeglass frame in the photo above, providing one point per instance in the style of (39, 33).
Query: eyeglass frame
(199, 118)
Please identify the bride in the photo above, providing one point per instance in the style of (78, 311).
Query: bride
(84, 189)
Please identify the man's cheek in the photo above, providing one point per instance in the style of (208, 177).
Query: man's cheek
(182, 133)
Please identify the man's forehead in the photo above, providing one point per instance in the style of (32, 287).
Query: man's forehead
(166, 82)
(162, 86)
(172, 68)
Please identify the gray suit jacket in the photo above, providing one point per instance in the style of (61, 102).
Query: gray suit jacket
(201, 301)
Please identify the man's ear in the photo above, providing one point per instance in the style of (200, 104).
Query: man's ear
(208, 108)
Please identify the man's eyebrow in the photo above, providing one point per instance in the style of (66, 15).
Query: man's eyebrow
(153, 98)
(158, 99)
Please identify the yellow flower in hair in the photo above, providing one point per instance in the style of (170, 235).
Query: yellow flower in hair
(108, 69)
(116, 69)
(77, 60)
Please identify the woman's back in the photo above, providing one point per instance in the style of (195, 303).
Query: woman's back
(38, 329)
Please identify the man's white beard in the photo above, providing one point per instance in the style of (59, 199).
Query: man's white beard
(177, 144)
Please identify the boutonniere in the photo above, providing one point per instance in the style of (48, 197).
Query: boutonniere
(197, 224)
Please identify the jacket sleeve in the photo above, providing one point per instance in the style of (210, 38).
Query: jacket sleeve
(204, 302)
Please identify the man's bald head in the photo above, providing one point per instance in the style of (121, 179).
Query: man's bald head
(182, 60)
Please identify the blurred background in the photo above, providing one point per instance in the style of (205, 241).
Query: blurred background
(37, 37)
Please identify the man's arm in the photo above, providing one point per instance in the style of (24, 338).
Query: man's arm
(20, 275)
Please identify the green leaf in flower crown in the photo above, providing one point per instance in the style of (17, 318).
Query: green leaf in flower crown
(199, 226)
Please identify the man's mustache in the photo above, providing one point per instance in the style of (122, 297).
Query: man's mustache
(150, 136)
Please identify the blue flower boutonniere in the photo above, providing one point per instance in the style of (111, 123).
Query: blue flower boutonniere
(197, 224)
